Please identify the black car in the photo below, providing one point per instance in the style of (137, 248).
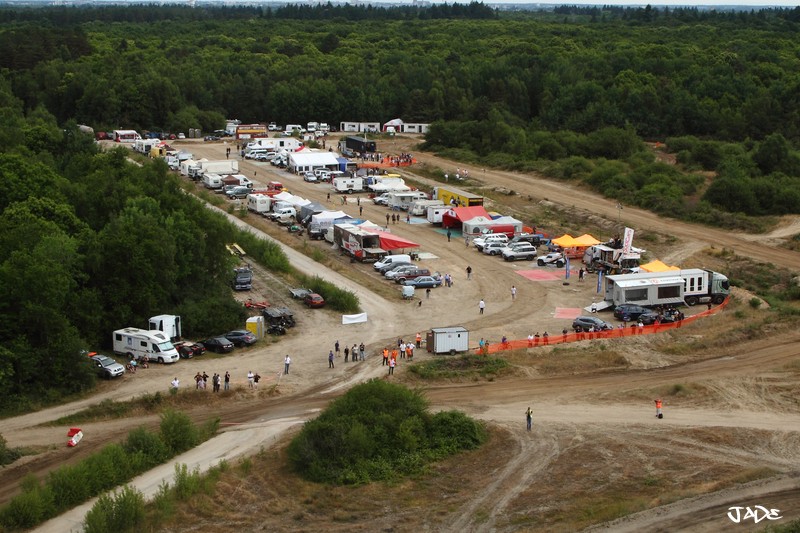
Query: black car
(187, 350)
(585, 323)
(241, 337)
(629, 311)
(218, 344)
(650, 317)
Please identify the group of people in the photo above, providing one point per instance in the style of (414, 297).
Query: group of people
(133, 364)
(216, 381)
(354, 353)
(404, 350)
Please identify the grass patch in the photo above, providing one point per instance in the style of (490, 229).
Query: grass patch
(597, 356)
(458, 367)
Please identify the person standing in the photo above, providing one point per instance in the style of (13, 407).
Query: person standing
(469, 272)
(428, 293)
(448, 235)
(215, 382)
(419, 340)
(466, 241)
(286, 362)
(175, 383)
(481, 306)
(659, 414)
(360, 210)
(250, 378)
(581, 274)
(353, 354)
(385, 356)
(392, 362)
(513, 293)
(256, 379)
(529, 418)
(330, 359)
(227, 380)
(362, 352)
(346, 353)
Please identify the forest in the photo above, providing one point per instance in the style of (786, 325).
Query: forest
(92, 243)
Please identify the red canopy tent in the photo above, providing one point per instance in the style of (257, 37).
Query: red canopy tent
(390, 241)
(458, 215)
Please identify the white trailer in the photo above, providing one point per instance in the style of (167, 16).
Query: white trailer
(258, 203)
(186, 165)
(693, 286)
(143, 146)
(403, 199)
(348, 185)
(169, 324)
(138, 343)
(222, 167)
(420, 207)
(435, 212)
(212, 181)
(447, 340)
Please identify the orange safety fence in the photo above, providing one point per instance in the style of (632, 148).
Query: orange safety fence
(561, 338)
(387, 162)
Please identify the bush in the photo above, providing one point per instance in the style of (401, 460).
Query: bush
(378, 431)
(336, 298)
(7, 455)
(145, 449)
(33, 506)
(178, 432)
(122, 512)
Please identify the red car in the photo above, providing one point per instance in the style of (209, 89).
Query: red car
(313, 300)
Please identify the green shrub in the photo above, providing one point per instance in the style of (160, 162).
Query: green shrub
(122, 512)
(178, 431)
(33, 506)
(148, 445)
(336, 298)
(378, 431)
(7, 455)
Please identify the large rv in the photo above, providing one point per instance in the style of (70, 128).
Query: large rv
(138, 343)
(672, 287)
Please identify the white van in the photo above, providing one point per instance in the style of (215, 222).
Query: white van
(283, 213)
(138, 343)
(392, 259)
(480, 242)
(291, 127)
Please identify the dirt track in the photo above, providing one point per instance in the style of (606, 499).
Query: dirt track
(568, 413)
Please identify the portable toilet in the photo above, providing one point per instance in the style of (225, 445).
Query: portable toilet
(447, 340)
(255, 325)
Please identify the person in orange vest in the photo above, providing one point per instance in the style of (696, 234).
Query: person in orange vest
(419, 340)
(385, 357)
(409, 351)
(394, 354)
(659, 414)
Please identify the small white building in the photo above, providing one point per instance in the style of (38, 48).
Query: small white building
(447, 340)
(308, 160)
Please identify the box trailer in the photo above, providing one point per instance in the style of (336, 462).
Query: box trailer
(169, 324)
(697, 285)
(212, 181)
(456, 197)
(138, 343)
(348, 185)
(402, 200)
(259, 203)
(420, 207)
(360, 244)
(435, 212)
(450, 340)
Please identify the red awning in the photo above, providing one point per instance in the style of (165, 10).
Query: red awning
(458, 215)
(390, 241)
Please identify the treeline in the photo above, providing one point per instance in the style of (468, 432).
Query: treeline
(91, 243)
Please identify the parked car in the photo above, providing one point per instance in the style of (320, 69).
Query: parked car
(651, 316)
(218, 344)
(411, 274)
(630, 311)
(530, 238)
(242, 279)
(241, 337)
(314, 300)
(480, 242)
(382, 199)
(106, 367)
(274, 127)
(394, 272)
(263, 156)
(187, 350)
(238, 191)
(585, 323)
(493, 248)
(211, 138)
(553, 258)
(385, 268)
(522, 250)
(315, 232)
(423, 282)
(309, 177)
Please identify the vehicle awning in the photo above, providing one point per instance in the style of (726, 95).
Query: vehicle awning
(389, 241)
(657, 266)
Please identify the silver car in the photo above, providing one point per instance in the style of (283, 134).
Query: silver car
(106, 367)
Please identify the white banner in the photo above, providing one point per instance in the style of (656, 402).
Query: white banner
(354, 319)
(627, 241)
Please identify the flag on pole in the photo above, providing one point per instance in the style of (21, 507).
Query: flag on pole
(566, 266)
(599, 281)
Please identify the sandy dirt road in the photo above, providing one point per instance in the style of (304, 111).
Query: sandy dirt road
(564, 416)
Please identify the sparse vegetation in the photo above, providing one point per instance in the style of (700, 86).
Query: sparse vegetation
(460, 367)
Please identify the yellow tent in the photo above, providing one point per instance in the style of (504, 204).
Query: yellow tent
(585, 240)
(565, 241)
(657, 266)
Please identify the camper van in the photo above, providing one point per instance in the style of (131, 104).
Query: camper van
(138, 343)
(258, 203)
(212, 181)
(348, 185)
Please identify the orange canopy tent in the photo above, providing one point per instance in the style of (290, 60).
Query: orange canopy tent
(657, 266)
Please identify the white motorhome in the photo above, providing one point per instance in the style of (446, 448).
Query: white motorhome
(420, 207)
(259, 203)
(212, 181)
(290, 128)
(403, 199)
(689, 285)
(348, 185)
(138, 343)
(435, 212)
(143, 146)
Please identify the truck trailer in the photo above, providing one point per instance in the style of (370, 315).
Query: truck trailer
(360, 244)
(672, 287)
(456, 197)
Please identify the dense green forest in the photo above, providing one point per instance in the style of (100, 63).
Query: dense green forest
(92, 243)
